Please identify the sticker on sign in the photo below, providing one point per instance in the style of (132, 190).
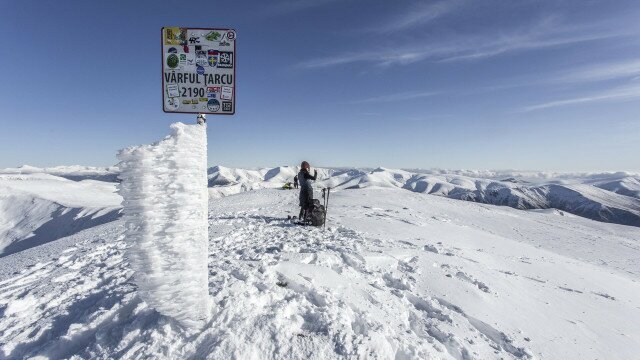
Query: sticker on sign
(198, 64)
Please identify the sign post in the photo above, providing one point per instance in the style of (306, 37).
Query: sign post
(198, 70)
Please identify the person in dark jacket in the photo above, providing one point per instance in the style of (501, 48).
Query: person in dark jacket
(295, 182)
(306, 191)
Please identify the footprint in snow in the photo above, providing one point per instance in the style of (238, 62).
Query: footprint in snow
(429, 308)
(431, 248)
(535, 279)
(604, 295)
(395, 282)
(407, 243)
(468, 278)
(407, 268)
(570, 290)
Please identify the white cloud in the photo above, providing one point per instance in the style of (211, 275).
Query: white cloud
(338, 59)
(544, 34)
(396, 97)
(623, 69)
(518, 42)
(419, 15)
(290, 6)
(381, 58)
(616, 94)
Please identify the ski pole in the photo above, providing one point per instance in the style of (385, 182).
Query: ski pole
(326, 207)
(324, 202)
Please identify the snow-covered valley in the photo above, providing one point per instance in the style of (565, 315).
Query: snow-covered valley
(396, 273)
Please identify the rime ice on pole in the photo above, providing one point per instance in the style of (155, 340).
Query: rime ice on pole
(164, 186)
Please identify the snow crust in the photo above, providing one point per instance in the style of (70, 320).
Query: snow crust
(165, 202)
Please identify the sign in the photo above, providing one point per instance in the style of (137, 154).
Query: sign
(198, 71)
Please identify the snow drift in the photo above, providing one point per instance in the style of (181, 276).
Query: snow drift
(164, 187)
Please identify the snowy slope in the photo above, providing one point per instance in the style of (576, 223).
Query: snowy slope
(38, 208)
(396, 274)
(629, 186)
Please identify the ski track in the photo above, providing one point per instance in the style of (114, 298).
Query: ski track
(279, 291)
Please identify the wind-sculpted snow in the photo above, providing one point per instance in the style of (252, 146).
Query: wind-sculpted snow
(164, 187)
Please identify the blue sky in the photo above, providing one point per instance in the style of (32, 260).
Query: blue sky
(545, 85)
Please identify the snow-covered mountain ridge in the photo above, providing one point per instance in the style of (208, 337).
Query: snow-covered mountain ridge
(608, 197)
(71, 172)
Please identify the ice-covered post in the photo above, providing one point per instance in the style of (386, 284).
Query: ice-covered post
(165, 208)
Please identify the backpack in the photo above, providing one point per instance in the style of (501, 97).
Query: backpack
(317, 213)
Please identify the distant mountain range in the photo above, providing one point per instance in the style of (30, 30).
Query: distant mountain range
(609, 197)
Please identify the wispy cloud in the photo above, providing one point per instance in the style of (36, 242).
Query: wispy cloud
(616, 94)
(339, 59)
(600, 72)
(290, 6)
(396, 97)
(381, 58)
(625, 70)
(520, 42)
(419, 15)
(544, 34)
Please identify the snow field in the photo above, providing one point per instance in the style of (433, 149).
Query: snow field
(165, 201)
(396, 275)
(424, 277)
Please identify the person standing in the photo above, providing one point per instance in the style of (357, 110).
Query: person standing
(306, 191)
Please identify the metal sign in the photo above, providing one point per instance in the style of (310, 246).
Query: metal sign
(198, 71)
